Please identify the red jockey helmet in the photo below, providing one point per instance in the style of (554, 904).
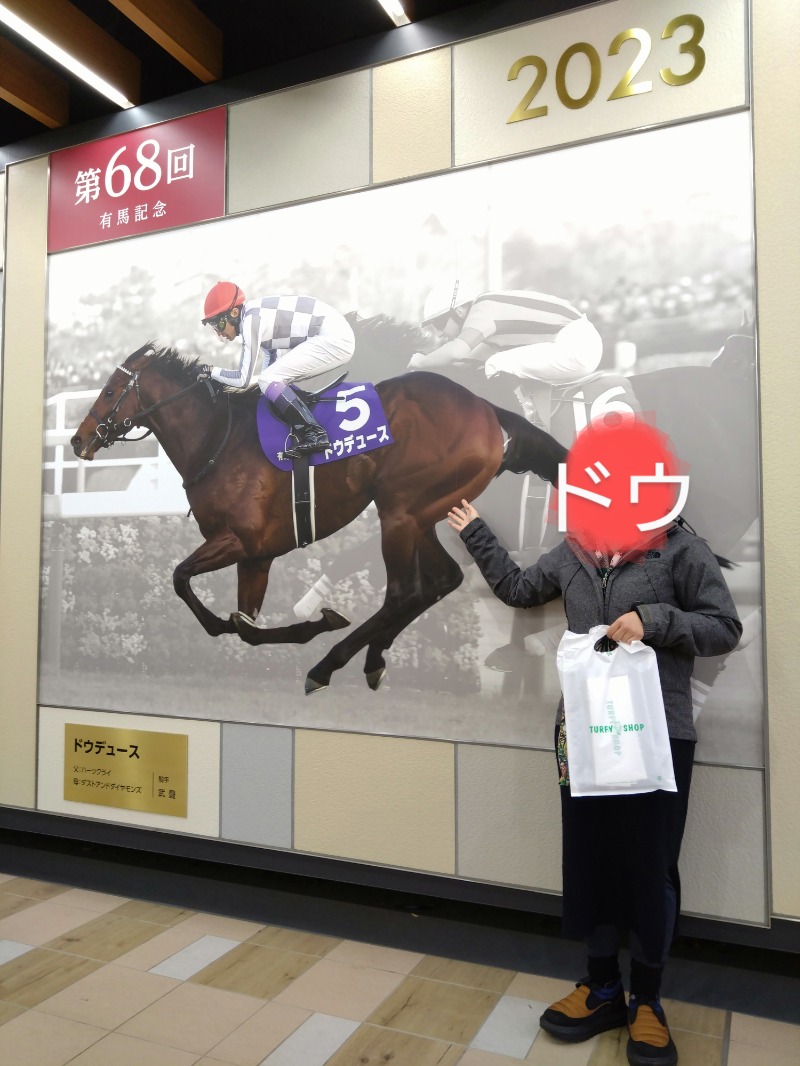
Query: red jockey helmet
(222, 299)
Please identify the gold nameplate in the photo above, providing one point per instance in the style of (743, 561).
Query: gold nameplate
(131, 768)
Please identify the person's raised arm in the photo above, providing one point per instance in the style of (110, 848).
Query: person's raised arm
(516, 587)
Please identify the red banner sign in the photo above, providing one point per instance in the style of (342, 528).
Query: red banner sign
(154, 178)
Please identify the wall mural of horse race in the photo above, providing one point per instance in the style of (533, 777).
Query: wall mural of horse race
(383, 618)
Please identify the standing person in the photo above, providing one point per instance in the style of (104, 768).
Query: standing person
(297, 336)
(620, 853)
(524, 334)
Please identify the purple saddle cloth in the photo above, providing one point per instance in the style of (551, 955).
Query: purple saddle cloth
(350, 412)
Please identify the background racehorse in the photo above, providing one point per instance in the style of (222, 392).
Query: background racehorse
(709, 414)
(448, 445)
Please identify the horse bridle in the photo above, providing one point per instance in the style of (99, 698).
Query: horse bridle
(109, 432)
(113, 432)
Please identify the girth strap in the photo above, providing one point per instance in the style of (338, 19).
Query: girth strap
(303, 497)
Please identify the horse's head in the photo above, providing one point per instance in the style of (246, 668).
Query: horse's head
(113, 412)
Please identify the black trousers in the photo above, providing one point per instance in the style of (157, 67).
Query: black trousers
(620, 861)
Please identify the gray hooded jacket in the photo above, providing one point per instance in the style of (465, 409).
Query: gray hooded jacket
(678, 591)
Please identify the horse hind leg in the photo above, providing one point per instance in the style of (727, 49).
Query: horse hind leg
(441, 576)
(419, 574)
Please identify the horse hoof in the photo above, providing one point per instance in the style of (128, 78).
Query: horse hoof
(334, 619)
(313, 686)
(374, 677)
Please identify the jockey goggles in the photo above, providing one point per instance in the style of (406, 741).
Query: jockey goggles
(217, 323)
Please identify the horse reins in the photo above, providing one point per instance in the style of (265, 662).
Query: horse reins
(113, 432)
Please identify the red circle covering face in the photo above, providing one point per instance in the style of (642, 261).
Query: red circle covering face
(621, 459)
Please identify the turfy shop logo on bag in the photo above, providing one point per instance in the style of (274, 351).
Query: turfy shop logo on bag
(644, 486)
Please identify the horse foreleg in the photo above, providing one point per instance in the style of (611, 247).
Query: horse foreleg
(253, 579)
(215, 554)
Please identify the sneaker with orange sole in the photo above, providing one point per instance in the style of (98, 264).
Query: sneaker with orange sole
(649, 1041)
(588, 1010)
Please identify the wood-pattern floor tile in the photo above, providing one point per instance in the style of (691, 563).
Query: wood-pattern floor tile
(38, 890)
(695, 1018)
(157, 913)
(39, 974)
(254, 971)
(452, 1013)
(371, 1046)
(611, 1049)
(271, 936)
(106, 938)
(9, 1011)
(14, 904)
(547, 1051)
(464, 973)
(697, 1048)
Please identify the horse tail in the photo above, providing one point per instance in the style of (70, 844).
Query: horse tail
(529, 448)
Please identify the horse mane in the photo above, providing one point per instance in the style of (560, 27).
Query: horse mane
(183, 371)
(383, 345)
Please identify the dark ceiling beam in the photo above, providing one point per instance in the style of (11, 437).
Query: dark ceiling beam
(32, 87)
(67, 27)
(181, 30)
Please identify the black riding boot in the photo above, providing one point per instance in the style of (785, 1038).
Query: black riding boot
(308, 433)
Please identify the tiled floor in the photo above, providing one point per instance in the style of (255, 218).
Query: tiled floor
(98, 980)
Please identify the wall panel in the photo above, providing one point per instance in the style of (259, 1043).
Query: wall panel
(24, 316)
(299, 144)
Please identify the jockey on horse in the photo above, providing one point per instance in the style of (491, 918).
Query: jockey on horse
(297, 336)
(529, 335)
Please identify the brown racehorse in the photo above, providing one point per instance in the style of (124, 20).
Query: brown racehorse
(448, 445)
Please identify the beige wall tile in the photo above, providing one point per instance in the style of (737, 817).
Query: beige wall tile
(300, 143)
(411, 116)
(23, 338)
(723, 858)
(378, 799)
(776, 41)
(509, 819)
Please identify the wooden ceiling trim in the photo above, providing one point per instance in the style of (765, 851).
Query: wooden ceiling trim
(32, 88)
(182, 30)
(71, 30)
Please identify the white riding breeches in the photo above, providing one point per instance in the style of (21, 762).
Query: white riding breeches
(317, 355)
(572, 354)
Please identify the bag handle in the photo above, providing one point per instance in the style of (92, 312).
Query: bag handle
(605, 643)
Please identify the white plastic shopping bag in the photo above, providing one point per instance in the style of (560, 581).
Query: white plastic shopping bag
(617, 740)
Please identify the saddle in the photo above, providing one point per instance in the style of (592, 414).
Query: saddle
(354, 419)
